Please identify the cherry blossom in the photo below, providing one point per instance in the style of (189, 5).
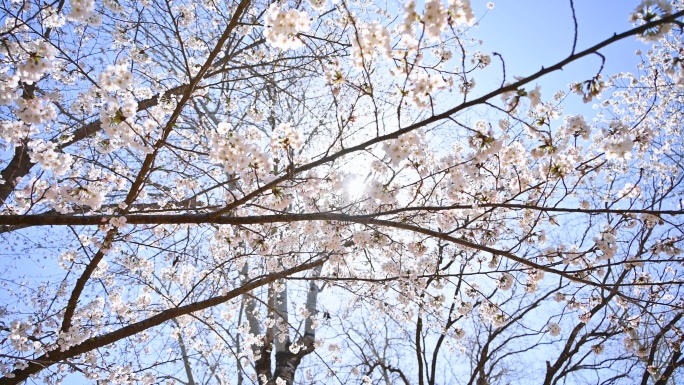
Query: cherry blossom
(281, 27)
(336, 191)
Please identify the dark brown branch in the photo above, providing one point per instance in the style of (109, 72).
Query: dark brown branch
(81, 282)
(52, 219)
(228, 220)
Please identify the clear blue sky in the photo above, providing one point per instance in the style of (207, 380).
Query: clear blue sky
(534, 33)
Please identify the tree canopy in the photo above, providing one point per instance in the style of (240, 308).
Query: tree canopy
(333, 192)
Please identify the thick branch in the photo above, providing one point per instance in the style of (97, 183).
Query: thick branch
(48, 359)
(229, 220)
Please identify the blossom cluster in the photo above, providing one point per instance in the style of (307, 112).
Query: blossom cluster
(81, 10)
(116, 117)
(436, 18)
(8, 89)
(238, 153)
(35, 111)
(554, 329)
(370, 38)
(45, 154)
(38, 63)
(402, 147)
(282, 27)
(15, 132)
(461, 12)
(652, 10)
(618, 142)
(589, 89)
(115, 78)
(424, 88)
(578, 126)
(285, 138)
(492, 313)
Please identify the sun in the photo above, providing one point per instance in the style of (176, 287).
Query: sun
(356, 179)
(355, 187)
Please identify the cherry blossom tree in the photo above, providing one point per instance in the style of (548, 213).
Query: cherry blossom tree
(309, 192)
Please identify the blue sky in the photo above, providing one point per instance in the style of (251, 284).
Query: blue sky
(534, 33)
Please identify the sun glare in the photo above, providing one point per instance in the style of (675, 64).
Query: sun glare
(355, 187)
